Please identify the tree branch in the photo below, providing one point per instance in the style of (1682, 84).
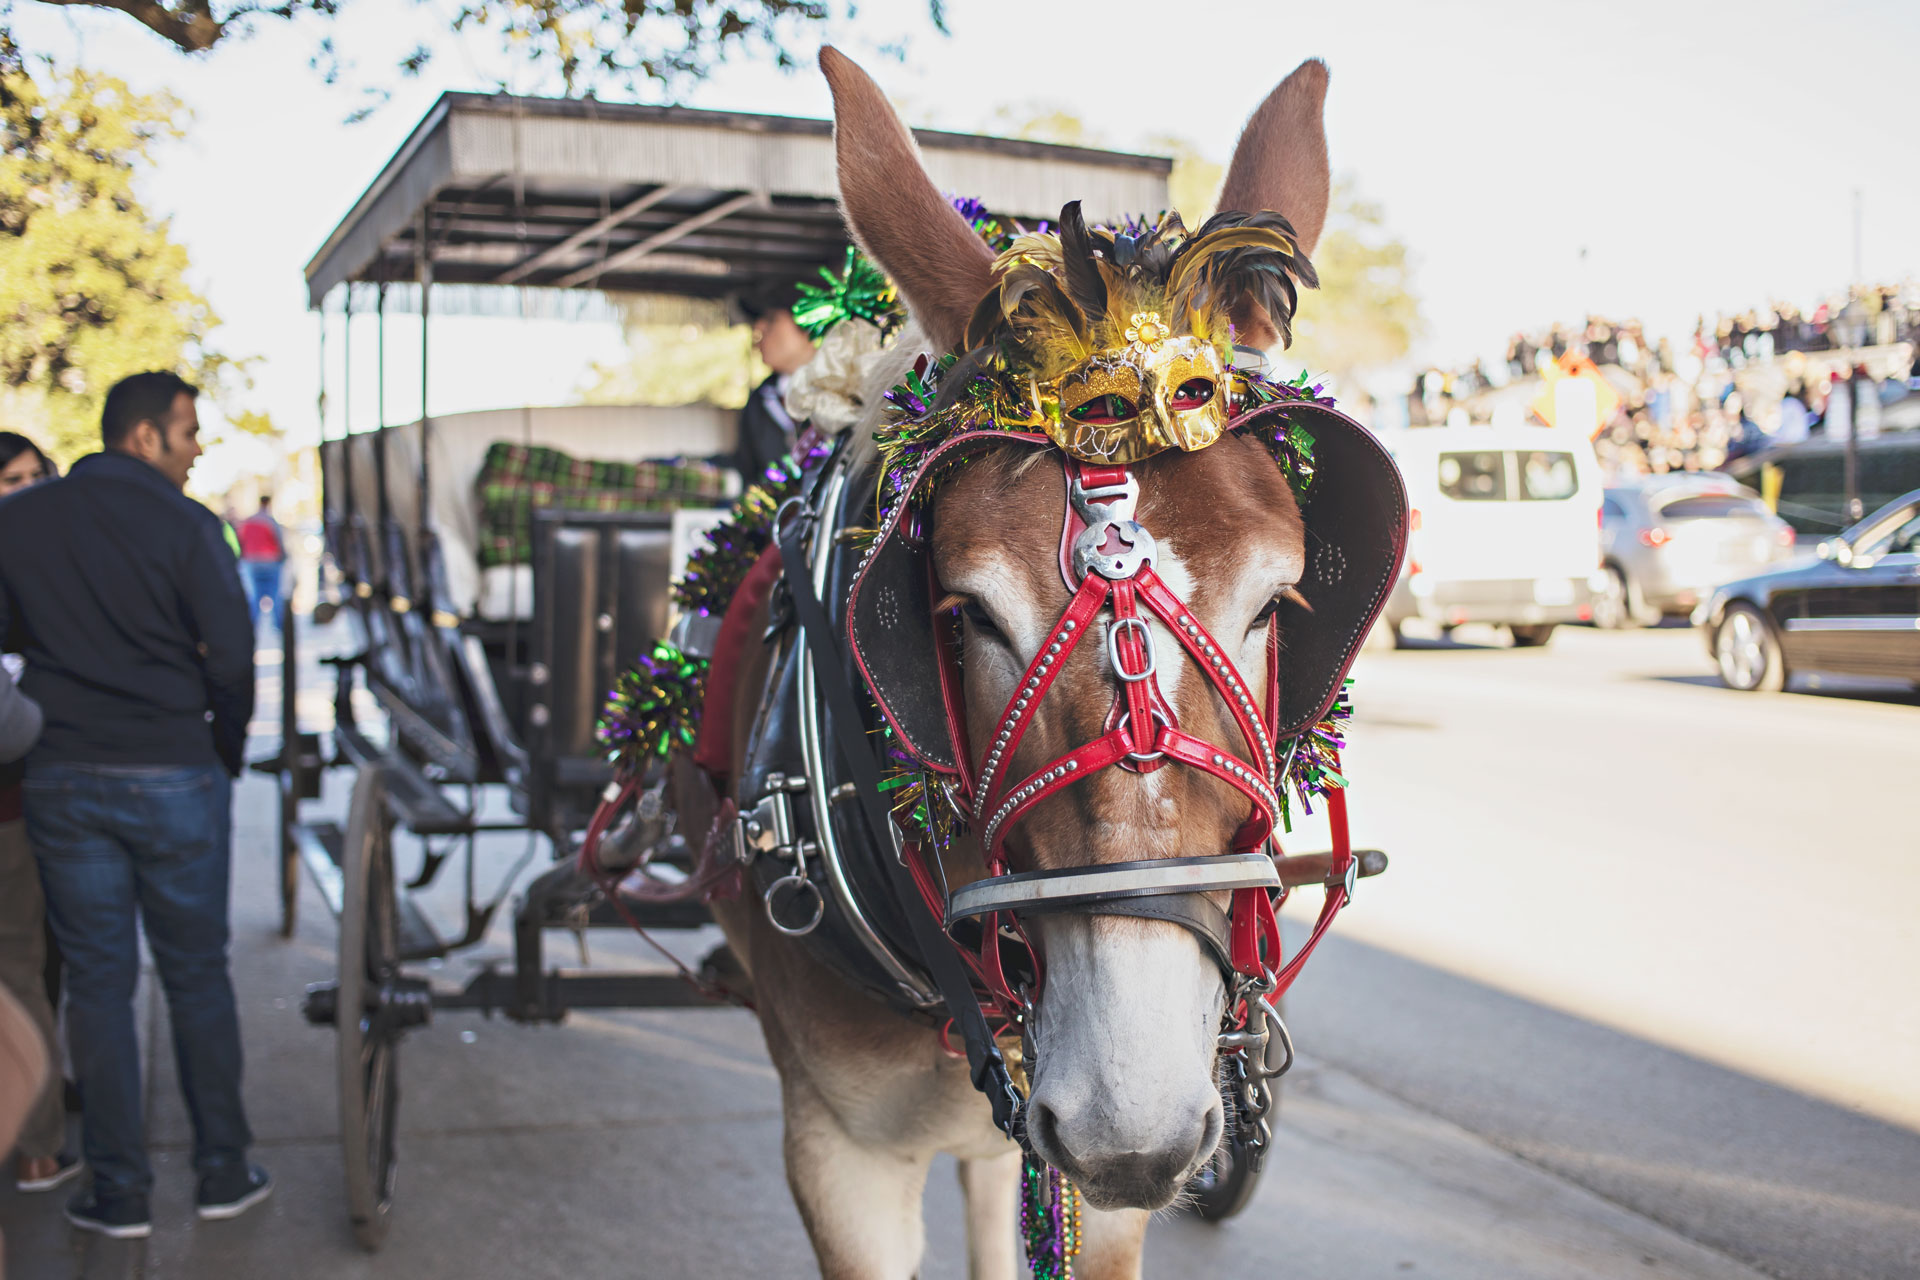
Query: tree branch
(186, 24)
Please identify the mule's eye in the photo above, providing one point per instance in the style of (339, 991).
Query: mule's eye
(1102, 410)
(982, 624)
(1192, 393)
(1272, 606)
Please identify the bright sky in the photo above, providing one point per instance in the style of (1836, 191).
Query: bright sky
(1704, 157)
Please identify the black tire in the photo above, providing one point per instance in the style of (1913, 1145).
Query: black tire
(1747, 652)
(1533, 636)
(368, 1044)
(1225, 1184)
(1613, 606)
(1399, 637)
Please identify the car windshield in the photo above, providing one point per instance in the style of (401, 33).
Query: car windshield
(1546, 476)
(1474, 477)
(1900, 535)
(1707, 506)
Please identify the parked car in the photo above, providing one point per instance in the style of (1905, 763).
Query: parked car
(1855, 609)
(1668, 540)
(1505, 528)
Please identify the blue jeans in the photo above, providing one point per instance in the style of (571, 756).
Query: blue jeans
(263, 587)
(112, 840)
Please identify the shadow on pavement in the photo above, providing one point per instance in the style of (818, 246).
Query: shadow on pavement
(1843, 688)
(1787, 1183)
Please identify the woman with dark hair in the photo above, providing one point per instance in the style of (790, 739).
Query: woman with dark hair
(25, 966)
(22, 463)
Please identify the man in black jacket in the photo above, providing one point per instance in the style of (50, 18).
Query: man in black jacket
(124, 598)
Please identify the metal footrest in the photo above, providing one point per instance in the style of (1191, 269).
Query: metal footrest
(415, 799)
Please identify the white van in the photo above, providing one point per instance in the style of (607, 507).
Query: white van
(1505, 528)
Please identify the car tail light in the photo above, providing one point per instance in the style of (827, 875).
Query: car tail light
(1655, 537)
(1785, 536)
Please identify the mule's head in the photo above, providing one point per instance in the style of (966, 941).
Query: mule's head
(1124, 1098)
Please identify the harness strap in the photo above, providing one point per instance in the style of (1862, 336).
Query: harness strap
(986, 1066)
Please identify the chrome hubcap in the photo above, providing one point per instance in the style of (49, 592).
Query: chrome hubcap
(1742, 651)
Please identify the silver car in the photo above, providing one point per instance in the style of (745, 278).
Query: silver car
(1668, 540)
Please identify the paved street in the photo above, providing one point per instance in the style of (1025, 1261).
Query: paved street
(1633, 1000)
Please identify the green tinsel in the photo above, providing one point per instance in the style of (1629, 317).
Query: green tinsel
(653, 708)
(859, 291)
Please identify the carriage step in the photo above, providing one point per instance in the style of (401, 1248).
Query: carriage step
(321, 845)
(414, 798)
(417, 938)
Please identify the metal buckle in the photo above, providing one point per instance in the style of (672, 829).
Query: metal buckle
(1114, 629)
(1109, 508)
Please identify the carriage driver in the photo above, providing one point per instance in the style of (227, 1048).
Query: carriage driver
(139, 649)
(767, 430)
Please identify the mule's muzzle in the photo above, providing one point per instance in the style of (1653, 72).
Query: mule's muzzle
(1115, 1172)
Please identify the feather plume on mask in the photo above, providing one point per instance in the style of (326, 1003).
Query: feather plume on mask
(1237, 256)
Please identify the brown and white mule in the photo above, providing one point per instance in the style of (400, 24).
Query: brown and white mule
(1124, 1096)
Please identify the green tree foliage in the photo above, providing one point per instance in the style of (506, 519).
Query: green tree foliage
(679, 364)
(1365, 314)
(590, 43)
(92, 287)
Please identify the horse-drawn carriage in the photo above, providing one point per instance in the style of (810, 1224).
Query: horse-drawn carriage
(490, 605)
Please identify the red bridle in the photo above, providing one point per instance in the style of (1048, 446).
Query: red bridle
(1107, 561)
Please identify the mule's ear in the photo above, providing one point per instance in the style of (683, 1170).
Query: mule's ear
(896, 213)
(1281, 164)
(1281, 161)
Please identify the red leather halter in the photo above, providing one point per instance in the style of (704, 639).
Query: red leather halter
(1107, 560)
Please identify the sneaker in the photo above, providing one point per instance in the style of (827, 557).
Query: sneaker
(44, 1173)
(121, 1219)
(228, 1193)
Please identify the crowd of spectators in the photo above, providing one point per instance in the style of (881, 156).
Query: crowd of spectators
(1702, 402)
(1864, 316)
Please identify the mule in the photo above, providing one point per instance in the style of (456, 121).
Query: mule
(1124, 1098)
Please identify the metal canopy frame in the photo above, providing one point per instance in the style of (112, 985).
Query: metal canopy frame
(569, 193)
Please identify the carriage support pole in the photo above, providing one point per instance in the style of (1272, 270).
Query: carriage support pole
(424, 267)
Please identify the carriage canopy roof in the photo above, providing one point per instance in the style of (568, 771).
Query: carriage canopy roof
(579, 194)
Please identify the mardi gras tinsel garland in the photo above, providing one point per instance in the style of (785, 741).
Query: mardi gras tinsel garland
(858, 291)
(1313, 766)
(653, 708)
(861, 291)
(655, 705)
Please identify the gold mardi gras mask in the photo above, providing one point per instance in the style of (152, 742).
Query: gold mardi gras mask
(1121, 338)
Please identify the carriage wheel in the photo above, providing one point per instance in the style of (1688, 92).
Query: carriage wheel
(369, 1018)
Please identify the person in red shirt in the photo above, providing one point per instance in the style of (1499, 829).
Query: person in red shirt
(263, 559)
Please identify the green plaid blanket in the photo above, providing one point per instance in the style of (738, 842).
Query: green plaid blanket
(516, 478)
